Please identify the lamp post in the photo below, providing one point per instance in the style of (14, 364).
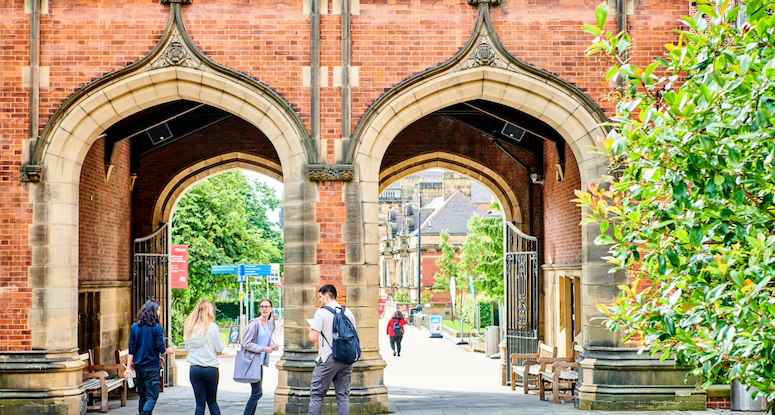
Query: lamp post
(419, 249)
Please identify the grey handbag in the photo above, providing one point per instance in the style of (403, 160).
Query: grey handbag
(248, 366)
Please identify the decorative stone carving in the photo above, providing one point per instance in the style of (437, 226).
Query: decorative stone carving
(484, 55)
(175, 54)
(490, 2)
(331, 173)
(31, 173)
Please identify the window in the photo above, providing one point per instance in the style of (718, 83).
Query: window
(403, 273)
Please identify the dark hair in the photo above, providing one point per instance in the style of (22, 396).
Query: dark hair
(329, 290)
(398, 315)
(271, 313)
(147, 315)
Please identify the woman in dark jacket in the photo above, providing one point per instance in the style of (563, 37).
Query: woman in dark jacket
(258, 339)
(146, 343)
(395, 329)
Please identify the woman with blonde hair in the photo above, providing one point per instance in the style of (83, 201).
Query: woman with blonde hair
(203, 342)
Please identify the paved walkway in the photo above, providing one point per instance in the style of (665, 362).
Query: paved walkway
(431, 377)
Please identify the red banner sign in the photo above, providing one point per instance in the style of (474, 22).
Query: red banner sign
(179, 266)
(382, 302)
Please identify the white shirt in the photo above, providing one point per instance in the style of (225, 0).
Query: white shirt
(324, 323)
(203, 346)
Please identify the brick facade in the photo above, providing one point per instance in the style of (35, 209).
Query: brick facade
(392, 40)
(105, 216)
(562, 235)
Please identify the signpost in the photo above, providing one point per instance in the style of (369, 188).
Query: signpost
(242, 272)
(179, 267)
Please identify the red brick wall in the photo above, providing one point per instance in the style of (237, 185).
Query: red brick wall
(719, 403)
(105, 216)
(329, 212)
(562, 233)
(15, 209)
(434, 133)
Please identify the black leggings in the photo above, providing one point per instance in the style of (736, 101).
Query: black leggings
(205, 383)
(395, 343)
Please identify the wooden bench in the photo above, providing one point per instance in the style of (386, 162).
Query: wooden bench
(97, 381)
(528, 369)
(121, 359)
(562, 373)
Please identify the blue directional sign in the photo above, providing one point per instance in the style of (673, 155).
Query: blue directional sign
(224, 269)
(254, 270)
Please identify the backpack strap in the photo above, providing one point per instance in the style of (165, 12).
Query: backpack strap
(334, 313)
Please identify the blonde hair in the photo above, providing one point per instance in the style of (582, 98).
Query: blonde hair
(201, 317)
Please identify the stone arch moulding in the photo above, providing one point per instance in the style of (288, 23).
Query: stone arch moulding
(493, 181)
(167, 200)
(485, 70)
(175, 69)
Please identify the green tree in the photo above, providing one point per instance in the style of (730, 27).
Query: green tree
(482, 255)
(223, 220)
(689, 214)
(447, 265)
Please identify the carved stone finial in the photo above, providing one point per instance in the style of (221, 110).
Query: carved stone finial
(484, 55)
(175, 55)
(490, 2)
(331, 173)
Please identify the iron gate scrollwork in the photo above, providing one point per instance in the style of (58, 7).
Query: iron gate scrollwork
(150, 276)
(520, 273)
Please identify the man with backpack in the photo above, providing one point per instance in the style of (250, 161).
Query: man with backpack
(337, 351)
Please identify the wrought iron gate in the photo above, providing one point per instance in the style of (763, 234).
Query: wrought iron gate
(520, 273)
(150, 276)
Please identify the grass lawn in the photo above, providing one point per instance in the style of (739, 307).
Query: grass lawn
(455, 325)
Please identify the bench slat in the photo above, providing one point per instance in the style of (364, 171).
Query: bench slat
(91, 384)
(565, 375)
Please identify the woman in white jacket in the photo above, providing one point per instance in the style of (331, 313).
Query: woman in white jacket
(203, 342)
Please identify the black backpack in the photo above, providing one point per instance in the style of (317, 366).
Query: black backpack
(346, 346)
(397, 328)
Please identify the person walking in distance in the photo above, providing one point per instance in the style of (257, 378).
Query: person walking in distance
(146, 343)
(258, 339)
(395, 329)
(327, 368)
(203, 342)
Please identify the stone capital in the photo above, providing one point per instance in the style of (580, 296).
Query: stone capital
(331, 173)
(478, 2)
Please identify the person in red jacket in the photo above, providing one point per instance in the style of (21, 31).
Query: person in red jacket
(395, 329)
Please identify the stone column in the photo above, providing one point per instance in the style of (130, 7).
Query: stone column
(335, 254)
(45, 378)
(613, 376)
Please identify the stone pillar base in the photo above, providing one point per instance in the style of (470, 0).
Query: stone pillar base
(368, 394)
(618, 379)
(41, 383)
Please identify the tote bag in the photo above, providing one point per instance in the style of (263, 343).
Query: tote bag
(247, 365)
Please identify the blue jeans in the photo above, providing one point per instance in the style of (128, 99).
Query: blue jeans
(148, 380)
(255, 394)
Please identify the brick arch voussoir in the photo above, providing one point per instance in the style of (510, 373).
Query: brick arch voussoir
(87, 118)
(490, 179)
(180, 183)
(524, 92)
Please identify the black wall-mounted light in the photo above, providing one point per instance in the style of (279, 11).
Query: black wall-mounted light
(159, 133)
(513, 132)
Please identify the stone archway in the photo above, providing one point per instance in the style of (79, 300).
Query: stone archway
(59, 155)
(461, 164)
(170, 195)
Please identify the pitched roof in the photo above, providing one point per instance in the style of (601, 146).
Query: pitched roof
(453, 215)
